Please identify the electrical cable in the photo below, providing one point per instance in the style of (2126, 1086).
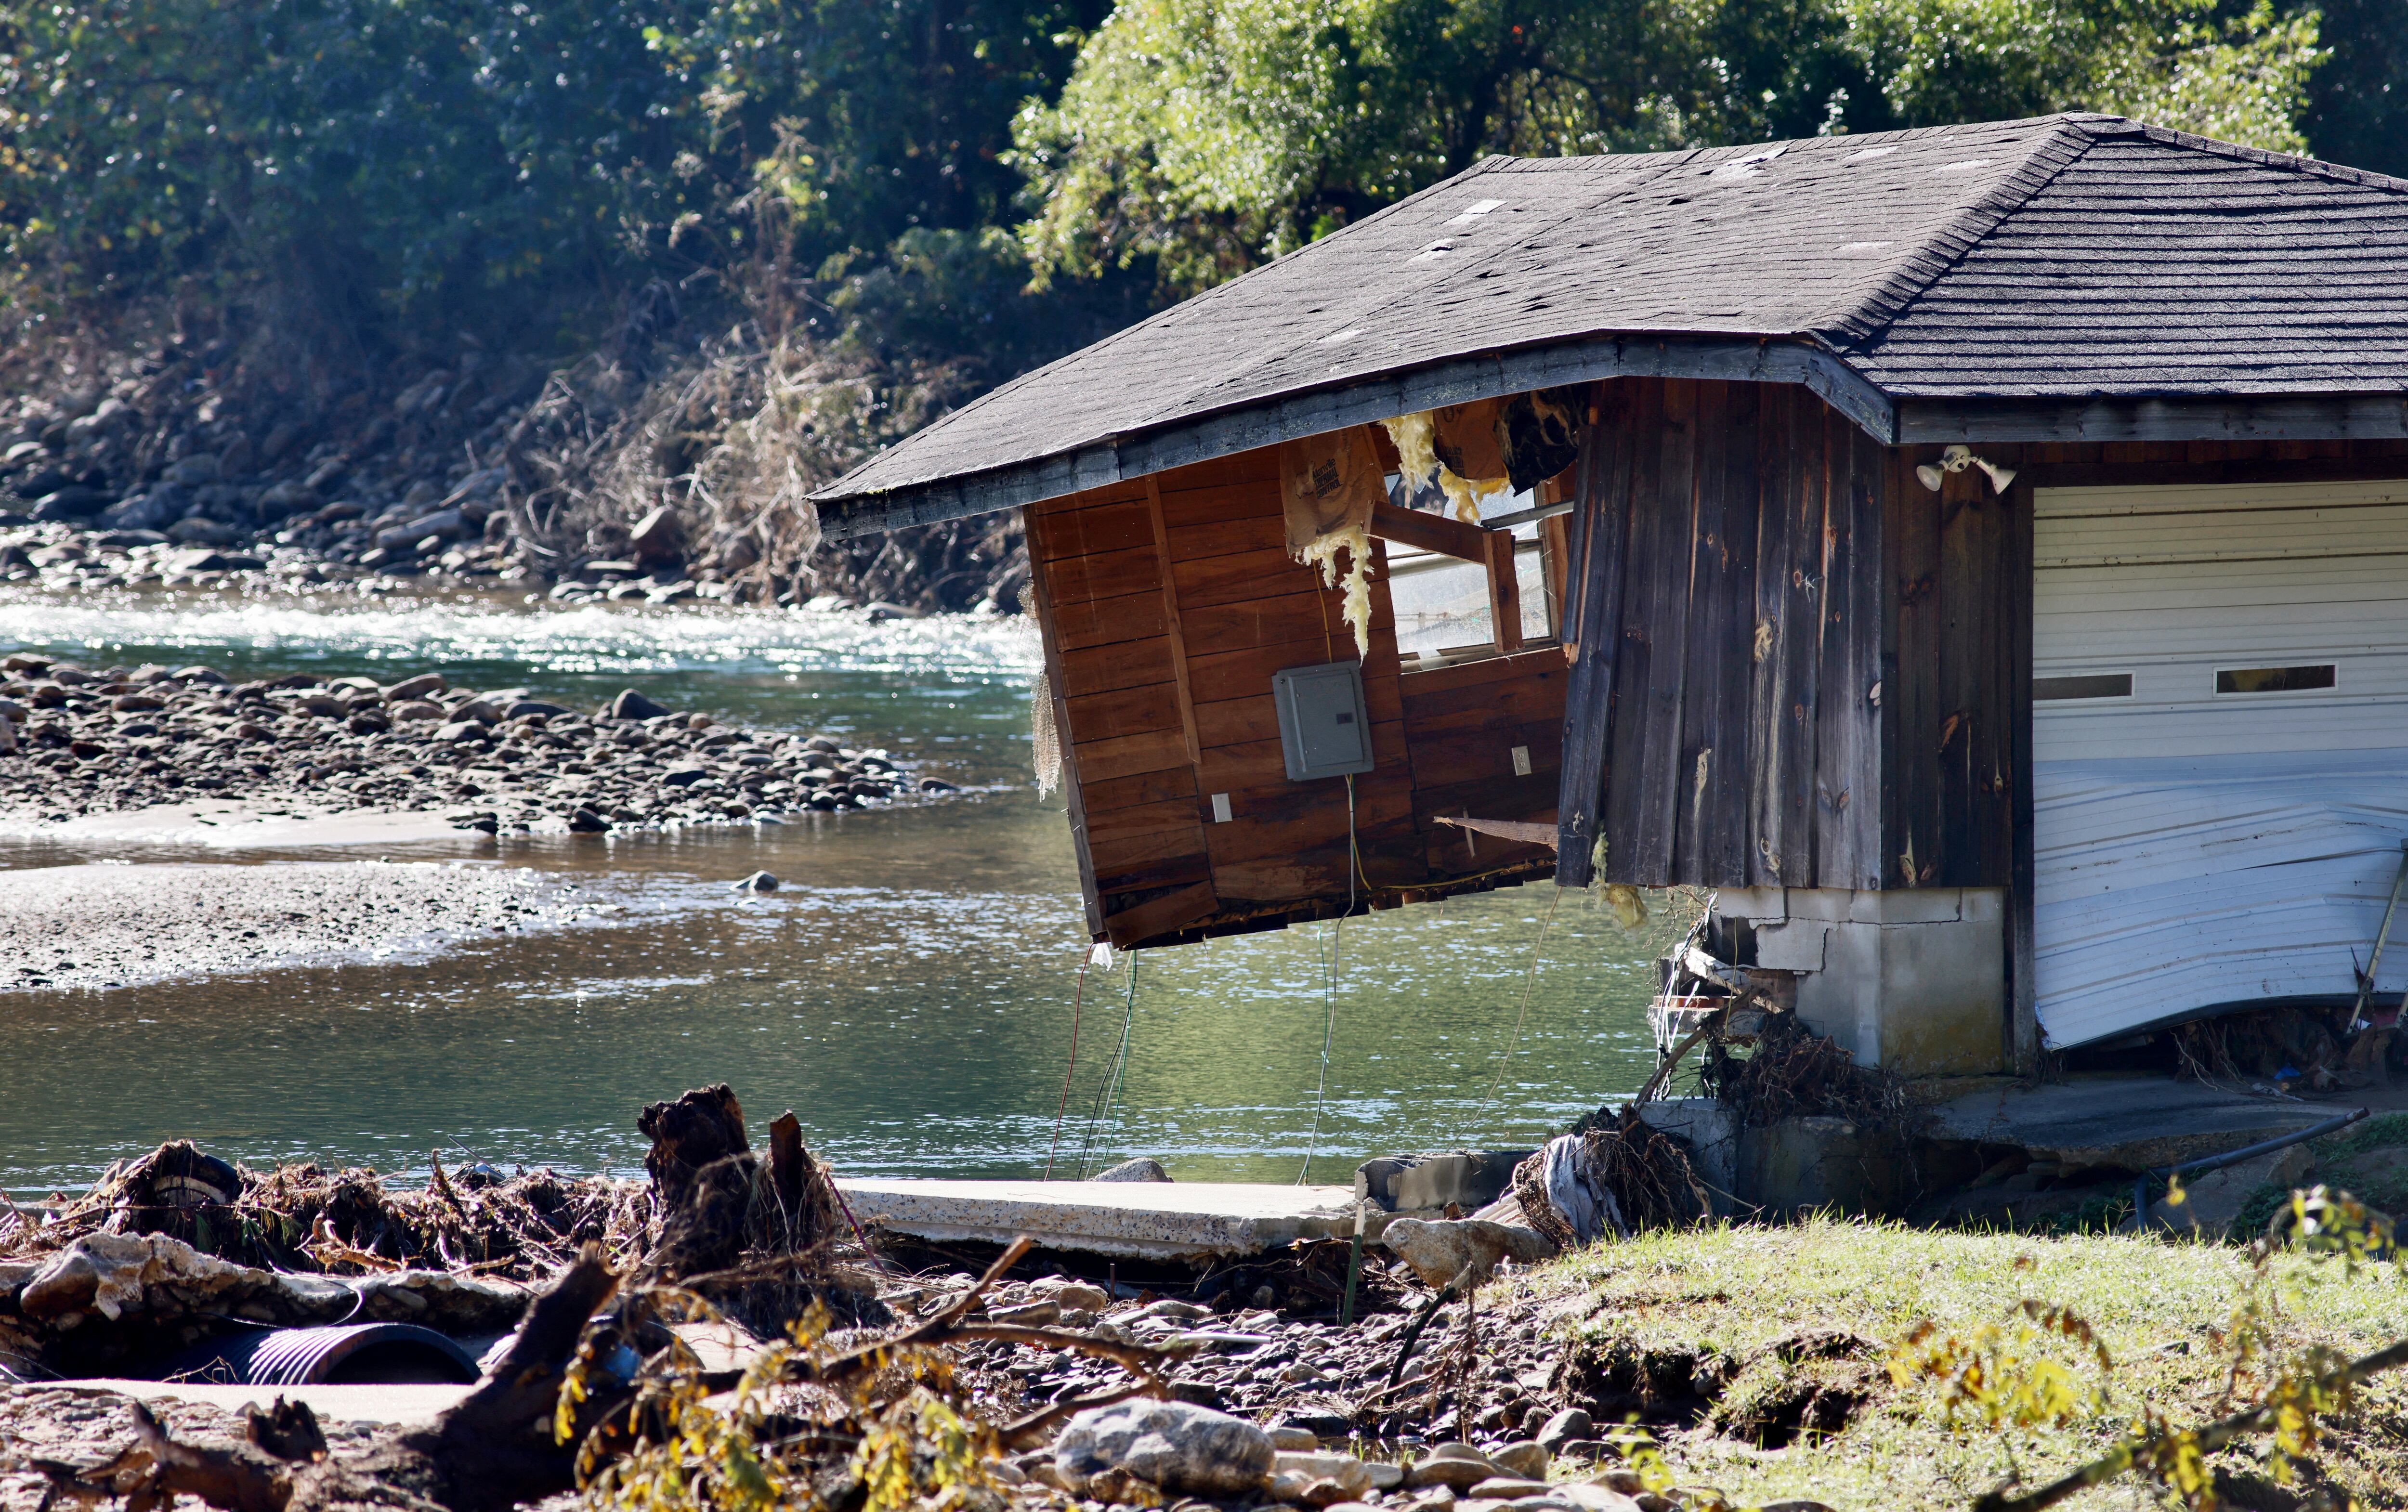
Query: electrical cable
(1109, 1091)
(1329, 989)
(1528, 983)
(1078, 1002)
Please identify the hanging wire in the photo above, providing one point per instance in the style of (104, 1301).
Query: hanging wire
(1329, 989)
(1109, 1093)
(1528, 983)
(1078, 1002)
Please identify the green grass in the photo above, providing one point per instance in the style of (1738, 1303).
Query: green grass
(1729, 1293)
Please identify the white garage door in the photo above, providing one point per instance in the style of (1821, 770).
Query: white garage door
(2220, 747)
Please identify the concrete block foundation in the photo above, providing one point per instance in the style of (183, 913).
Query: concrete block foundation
(1914, 981)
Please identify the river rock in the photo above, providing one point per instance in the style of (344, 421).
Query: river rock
(199, 530)
(1566, 1427)
(425, 685)
(758, 882)
(631, 704)
(1173, 1444)
(1439, 1249)
(1143, 1168)
(1522, 1457)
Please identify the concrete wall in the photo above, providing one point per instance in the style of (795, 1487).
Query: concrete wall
(1914, 981)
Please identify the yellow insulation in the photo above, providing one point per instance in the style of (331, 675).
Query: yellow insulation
(1415, 437)
(1323, 553)
(1464, 493)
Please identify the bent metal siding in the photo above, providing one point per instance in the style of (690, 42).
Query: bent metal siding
(1795, 664)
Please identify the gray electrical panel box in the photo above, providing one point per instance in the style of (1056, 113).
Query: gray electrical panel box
(1325, 731)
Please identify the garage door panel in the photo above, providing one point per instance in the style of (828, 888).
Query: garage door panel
(2195, 848)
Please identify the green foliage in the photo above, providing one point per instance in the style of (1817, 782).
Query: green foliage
(1207, 134)
(2010, 1378)
(401, 152)
(680, 1446)
(2173, 62)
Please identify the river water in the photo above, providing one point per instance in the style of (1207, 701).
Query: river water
(911, 993)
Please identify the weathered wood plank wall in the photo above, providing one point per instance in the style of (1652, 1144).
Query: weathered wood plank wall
(1791, 665)
(1167, 604)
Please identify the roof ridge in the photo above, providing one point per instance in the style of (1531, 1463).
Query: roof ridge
(1925, 263)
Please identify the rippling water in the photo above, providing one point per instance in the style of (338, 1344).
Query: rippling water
(912, 993)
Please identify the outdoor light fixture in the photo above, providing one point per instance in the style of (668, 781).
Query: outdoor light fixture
(1956, 460)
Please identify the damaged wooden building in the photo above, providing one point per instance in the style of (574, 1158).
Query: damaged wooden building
(1979, 554)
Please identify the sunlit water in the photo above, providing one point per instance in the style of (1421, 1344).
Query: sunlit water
(911, 993)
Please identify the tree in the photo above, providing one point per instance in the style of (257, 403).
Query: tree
(1207, 134)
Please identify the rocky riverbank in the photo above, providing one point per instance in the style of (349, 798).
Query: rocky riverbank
(78, 741)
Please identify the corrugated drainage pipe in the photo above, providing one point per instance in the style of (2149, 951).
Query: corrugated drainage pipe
(348, 1354)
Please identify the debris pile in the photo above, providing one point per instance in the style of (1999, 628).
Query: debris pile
(851, 1382)
(77, 740)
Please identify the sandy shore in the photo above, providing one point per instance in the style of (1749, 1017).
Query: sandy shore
(111, 925)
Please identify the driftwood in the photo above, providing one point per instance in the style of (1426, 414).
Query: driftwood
(491, 1449)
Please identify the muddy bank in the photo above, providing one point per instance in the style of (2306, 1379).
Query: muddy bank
(76, 741)
(108, 925)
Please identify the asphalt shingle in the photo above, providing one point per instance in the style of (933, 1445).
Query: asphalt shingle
(2068, 255)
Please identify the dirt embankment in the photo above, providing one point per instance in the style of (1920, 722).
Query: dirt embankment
(661, 465)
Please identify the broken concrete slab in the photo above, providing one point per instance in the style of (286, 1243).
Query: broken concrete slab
(1152, 1220)
(2127, 1123)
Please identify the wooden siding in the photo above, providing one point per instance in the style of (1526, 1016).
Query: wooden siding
(1742, 685)
(1167, 604)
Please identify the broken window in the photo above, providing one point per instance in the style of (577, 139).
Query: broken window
(1444, 607)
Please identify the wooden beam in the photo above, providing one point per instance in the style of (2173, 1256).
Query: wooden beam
(1504, 593)
(1050, 637)
(847, 513)
(1430, 533)
(1174, 632)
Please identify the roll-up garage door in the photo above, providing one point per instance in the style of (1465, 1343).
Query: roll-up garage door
(2220, 748)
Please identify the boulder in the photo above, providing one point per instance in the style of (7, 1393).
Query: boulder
(287, 499)
(1437, 1249)
(1459, 1467)
(631, 704)
(74, 502)
(1143, 1168)
(1566, 1427)
(656, 537)
(197, 530)
(1181, 1449)
(758, 882)
(157, 510)
(425, 685)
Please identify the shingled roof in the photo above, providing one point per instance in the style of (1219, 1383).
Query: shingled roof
(2009, 269)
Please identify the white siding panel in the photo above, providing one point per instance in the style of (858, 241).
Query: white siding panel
(2196, 850)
